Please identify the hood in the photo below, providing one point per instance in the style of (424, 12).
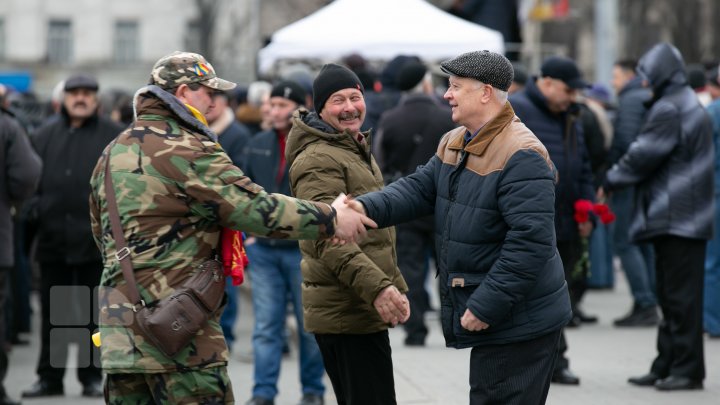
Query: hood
(308, 128)
(662, 66)
(152, 99)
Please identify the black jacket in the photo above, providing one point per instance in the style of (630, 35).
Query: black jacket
(61, 207)
(629, 119)
(494, 235)
(562, 136)
(261, 164)
(671, 162)
(18, 178)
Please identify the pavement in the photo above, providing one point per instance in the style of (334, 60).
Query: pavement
(602, 355)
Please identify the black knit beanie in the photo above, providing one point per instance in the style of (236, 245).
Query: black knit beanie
(290, 90)
(333, 78)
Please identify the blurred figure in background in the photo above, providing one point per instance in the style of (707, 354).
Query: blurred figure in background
(70, 263)
(233, 137)
(251, 113)
(711, 303)
(637, 258)
(671, 162)
(520, 77)
(408, 136)
(275, 265)
(20, 169)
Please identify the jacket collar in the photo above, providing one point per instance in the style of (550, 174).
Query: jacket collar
(479, 144)
(147, 97)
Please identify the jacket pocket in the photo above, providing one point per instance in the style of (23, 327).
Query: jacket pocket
(460, 287)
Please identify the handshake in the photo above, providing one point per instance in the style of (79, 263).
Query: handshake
(351, 220)
(390, 303)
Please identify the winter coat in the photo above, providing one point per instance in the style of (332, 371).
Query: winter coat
(562, 136)
(21, 168)
(493, 201)
(175, 189)
(629, 119)
(671, 162)
(261, 164)
(340, 282)
(61, 207)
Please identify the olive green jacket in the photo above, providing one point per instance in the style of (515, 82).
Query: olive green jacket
(340, 282)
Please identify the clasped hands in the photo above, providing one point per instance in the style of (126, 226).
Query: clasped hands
(351, 220)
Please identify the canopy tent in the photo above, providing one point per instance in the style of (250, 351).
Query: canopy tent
(378, 29)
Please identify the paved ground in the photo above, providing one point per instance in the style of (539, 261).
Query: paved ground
(603, 356)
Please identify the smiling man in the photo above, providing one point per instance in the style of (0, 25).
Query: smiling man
(350, 293)
(491, 188)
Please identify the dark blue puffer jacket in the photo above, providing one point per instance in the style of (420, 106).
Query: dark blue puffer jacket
(493, 203)
(671, 162)
(562, 136)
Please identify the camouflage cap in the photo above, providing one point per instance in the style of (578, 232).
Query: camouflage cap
(186, 67)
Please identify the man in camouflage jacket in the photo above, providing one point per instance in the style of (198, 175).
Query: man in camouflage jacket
(175, 189)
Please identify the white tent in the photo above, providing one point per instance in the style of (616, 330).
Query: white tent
(378, 29)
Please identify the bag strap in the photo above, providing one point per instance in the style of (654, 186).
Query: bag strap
(122, 253)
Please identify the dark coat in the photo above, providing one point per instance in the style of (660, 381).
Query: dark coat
(629, 119)
(261, 162)
(562, 136)
(69, 156)
(233, 138)
(493, 202)
(672, 160)
(20, 174)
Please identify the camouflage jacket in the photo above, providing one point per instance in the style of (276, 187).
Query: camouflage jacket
(175, 189)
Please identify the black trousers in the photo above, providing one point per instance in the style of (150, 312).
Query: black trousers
(71, 288)
(680, 267)
(513, 374)
(414, 244)
(360, 367)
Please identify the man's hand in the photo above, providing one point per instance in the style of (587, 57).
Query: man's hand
(392, 306)
(350, 224)
(471, 322)
(585, 228)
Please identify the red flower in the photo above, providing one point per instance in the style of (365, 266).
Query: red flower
(582, 210)
(603, 211)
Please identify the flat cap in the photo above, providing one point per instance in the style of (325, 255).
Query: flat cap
(488, 67)
(565, 70)
(81, 81)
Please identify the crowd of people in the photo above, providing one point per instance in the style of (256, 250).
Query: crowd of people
(479, 182)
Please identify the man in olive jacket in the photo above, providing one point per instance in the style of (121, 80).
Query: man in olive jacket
(491, 186)
(350, 293)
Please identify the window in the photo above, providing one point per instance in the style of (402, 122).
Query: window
(192, 36)
(2, 40)
(60, 42)
(126, 42)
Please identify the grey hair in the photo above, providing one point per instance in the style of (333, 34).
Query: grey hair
(500, 96)
(257, 92)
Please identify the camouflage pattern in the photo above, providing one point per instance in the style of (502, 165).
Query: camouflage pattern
(175, 189)
(197, 387)
(186, 67)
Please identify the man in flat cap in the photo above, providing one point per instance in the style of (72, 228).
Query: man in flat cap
(491, 187)
(275, 264)
(176, 190)
(351, 293)
(70, 264)
(547, 106)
